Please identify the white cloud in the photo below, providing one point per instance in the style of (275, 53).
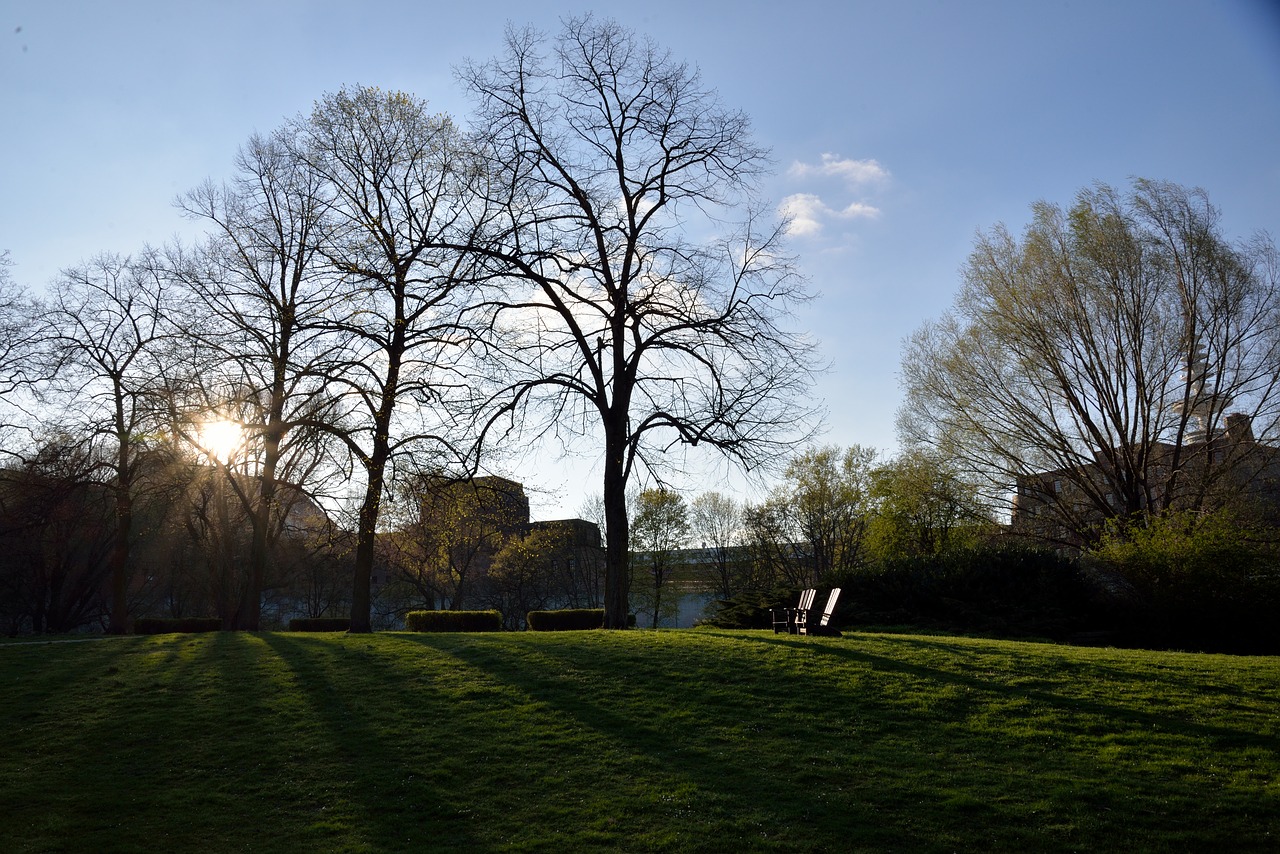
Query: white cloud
(852, 172)
(808, 213)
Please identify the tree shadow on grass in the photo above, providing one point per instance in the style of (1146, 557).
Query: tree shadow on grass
(774, 771)
(373, 758)
(1148, 718)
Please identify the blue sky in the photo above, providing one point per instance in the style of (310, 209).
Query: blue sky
(898, 129)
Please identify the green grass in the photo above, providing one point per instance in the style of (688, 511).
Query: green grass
(632, 741)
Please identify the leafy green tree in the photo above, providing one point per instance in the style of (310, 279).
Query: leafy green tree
(716, 522)
(1206, 579)
(525, 575)
(659, 530)
(921, 507)
(1104, 345)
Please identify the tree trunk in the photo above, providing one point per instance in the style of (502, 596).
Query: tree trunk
(259, 548)
(119, 623)
(367, 536)
(617, 592)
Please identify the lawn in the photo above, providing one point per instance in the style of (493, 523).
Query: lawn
(632, 741)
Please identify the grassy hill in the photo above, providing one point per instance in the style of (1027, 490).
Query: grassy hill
(631, 741)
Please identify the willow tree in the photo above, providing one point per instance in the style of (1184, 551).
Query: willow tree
(1110, 346)
(632, 314)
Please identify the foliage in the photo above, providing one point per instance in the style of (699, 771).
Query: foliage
(453, 621)
(921, 507)
(815, 523)
(176, 625)
(56, 533)
(528, 573)
(1101, 350)
(866, 743)
(566, 619)
(451, 532)
(716, 521)
(1001, 590)
(1196, 580)
(659, 530)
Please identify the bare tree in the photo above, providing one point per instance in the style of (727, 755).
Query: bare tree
(627, 319)
(17, 331)
(397, 185)
(106, 336)
(1102, 350)
(266, 303)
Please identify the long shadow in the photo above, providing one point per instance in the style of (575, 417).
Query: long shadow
(849, 784)
(723, 795)
(1075, 704)
(382, 765)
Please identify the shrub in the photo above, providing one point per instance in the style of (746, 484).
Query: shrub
(750, 609)
(1202, 581)
(320, 624)
(183, 625)
(1004, 590)
(568, 619)
(453, 621)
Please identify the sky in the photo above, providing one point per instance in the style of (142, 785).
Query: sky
(898, 131)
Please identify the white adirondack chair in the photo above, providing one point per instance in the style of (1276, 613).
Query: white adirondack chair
(785, 619)
(802, 620)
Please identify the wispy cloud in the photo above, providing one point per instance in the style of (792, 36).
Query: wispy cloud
(853, 172)
(808, 213)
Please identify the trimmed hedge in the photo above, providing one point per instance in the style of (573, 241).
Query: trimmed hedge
(320, 624)
(453, 621)
(568, 619)
(179, 625)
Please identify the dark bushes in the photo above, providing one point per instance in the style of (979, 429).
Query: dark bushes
(320, 624)
(453, 621)
(998, 590)
(571, 619)
(168, 625)
(1010, 591)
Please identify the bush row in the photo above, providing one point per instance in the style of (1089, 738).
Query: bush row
(570, 619)
(167, 625)
(453, 621)
(320, 624)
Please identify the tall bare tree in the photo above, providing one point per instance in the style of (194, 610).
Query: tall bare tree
(629, 318)
(1106, 346)
(265, 304)
(105, 332)
(398, 185)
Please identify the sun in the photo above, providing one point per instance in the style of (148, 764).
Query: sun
(221, 439)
